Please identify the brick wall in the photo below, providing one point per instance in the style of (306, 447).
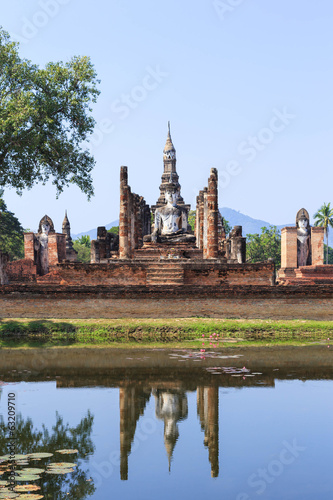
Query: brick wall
(21, 271)
(134, 273)
(120, 273)
(303, 302)
(204, 273)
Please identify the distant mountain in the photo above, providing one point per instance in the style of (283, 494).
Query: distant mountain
(250, 225)
(253, 226)
(93, 232)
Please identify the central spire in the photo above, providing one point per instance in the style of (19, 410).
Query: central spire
(169, 172)
(169, 152)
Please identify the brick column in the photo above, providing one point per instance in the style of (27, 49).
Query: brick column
(130, 222)
(140, 221)
(3, 273)
(205, 223)
(137, 221)
(317, 245)
(201, 220)
(29, 246)
(61, 245)
(94, 252)
(212, 216)
(124, 251)
(288, 247)
(52, 244)
(197, 222)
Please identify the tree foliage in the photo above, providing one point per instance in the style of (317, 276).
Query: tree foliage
(44, 120)
(191, 221)
(82, 245)
(62, 436)
(264, 246)
(11, 232)
(330, 254)
(114, 230)
(324, 218)
(226, 226)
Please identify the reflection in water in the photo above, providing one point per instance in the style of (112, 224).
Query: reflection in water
(132, 402)
(77, 484)
(170, 406)
(208, 412)
(183, 395)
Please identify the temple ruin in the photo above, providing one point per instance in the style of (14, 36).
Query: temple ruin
(157, 247)
(302, 253)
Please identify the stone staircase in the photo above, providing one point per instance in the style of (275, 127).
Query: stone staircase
(165, 273)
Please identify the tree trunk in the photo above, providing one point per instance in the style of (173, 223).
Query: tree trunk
(326, 231)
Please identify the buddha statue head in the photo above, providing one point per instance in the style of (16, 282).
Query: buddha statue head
(46, 226)
(302, 219)
(171, 192)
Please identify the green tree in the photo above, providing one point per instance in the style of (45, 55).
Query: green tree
(84, 240)
(191, 219)
(330, 254)
(324, 218)
(77, 485)
(226, 226)
(11, 232)
(82, 245)
(114, 230)
(264, 246)
(44, 120)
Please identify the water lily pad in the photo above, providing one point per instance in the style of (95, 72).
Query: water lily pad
(30, 496)
(31, 470)
(4, 495)
(15, 457)
(61, 470)
(67, 452)
(40, 455)
(27, 477)
(26, 487)
(58, 465)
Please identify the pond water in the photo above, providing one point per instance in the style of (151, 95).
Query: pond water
(234, 424)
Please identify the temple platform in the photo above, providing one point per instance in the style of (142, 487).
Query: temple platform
(307, 275)
(168, 251)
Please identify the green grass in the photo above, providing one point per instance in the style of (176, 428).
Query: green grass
(159, 332)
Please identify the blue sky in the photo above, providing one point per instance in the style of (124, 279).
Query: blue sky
(247, 86)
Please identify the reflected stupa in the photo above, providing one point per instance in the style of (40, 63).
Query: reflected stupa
(170, 406)
(132, 402)
(208, 412)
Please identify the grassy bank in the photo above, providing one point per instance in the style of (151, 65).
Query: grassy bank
(161, 332)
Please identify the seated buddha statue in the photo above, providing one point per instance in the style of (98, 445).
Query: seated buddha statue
(171, 220)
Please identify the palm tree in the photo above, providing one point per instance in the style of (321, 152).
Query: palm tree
(324, 218)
